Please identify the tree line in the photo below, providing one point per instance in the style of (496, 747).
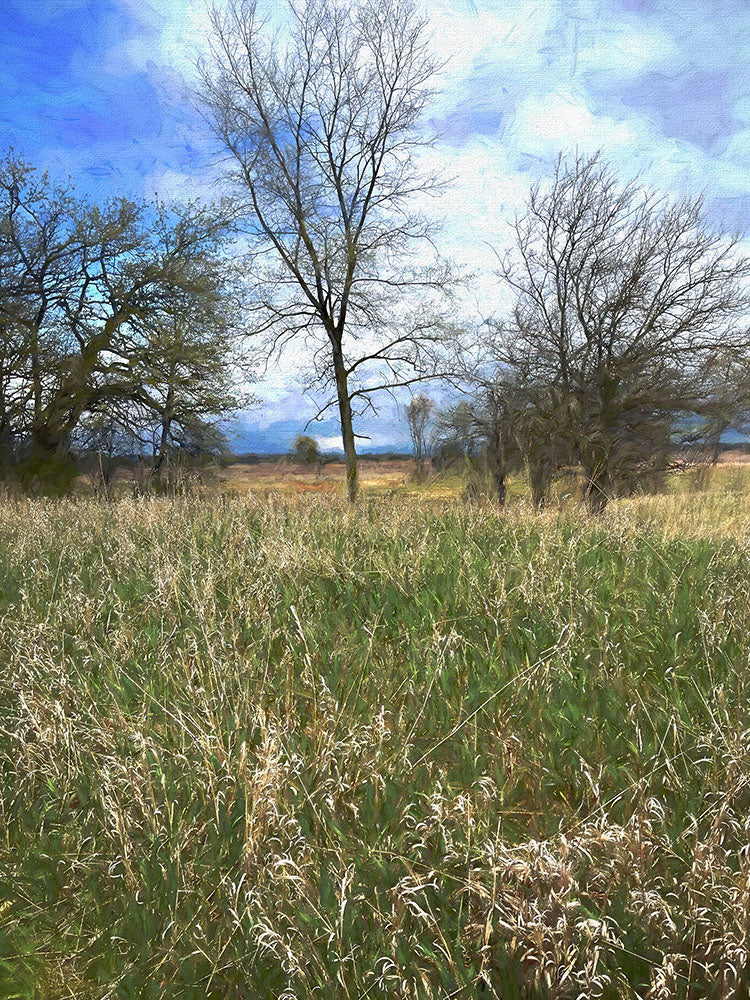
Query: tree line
(626, 337)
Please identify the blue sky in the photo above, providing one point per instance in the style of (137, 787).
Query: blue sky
(98, 89)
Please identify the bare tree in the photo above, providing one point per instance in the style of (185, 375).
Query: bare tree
(493, 429)
(323, 131)
(621, 296)
(418, 412)
(499, 416)
(454, 437)
(508, 417)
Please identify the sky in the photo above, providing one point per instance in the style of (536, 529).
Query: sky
(98, 89)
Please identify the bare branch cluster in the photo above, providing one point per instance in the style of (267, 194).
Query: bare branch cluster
(624, 301)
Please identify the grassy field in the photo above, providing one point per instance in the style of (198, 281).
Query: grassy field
(269, 748)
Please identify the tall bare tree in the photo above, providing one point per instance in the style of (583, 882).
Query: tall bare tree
(322, 124)
(621, 297)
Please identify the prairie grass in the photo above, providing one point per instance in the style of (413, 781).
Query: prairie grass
(271, 748)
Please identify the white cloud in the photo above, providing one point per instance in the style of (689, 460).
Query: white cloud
(329, 442)
(560, 121)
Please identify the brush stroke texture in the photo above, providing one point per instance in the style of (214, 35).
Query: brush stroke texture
(99, 89)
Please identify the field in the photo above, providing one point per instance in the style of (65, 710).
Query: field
(291, 477)
(262, 746)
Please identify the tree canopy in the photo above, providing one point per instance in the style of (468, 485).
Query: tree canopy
(123, 308)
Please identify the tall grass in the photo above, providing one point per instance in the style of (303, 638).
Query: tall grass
(275, 749)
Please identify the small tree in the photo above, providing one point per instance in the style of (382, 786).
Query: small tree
(418, 412)
(307, 451)
(186, 362)
(725, 402)
(100, 439)
(486, 429)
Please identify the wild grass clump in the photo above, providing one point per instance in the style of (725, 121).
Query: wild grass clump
(279, 749)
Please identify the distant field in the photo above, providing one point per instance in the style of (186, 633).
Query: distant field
(396, 475)
(295, 477)
(261, 746)
(388, 476)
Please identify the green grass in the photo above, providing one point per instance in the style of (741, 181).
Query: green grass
(271, 748)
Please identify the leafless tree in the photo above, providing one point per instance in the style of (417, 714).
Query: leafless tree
(503, 427)
(507, 416)
(621, 297)
(500, 417)
(418, 412)
(322, 127)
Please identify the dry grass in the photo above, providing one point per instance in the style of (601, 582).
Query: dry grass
(291, 477)
(271, 748)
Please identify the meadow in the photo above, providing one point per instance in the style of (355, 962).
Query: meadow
(264, 746)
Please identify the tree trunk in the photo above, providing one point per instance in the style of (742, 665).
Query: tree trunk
(715, 442)
(166, 425)
(6, 446)
(539, 480)
(347, 430)
(36, 378)
(598, 490)
(55, 422)
(48, 468)
(6, 432)
(500, 487)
